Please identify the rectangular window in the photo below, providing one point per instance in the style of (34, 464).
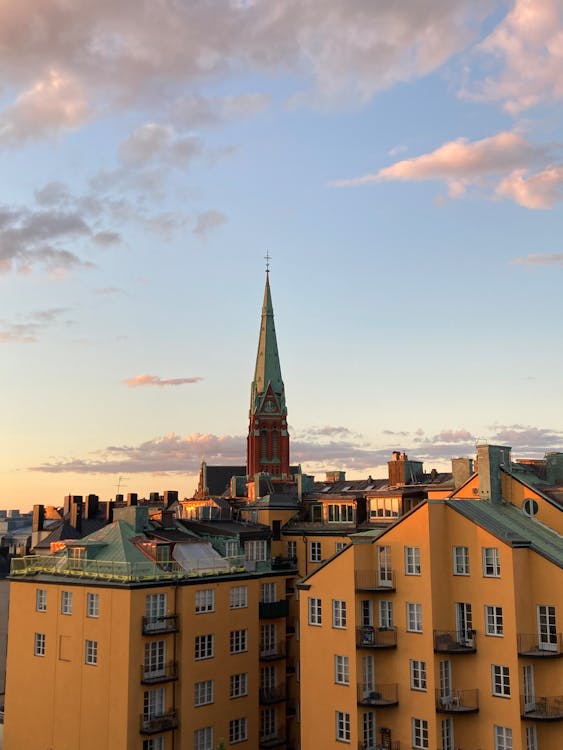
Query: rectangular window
(268, 593)
(342, 513)
(154, 743)
(385, 614)
(91, 652)
(342, 670)
(315, 552)
(461, 561)
(203, 693)
(491, 562)
(153, 704)
(493, 620)
(239, 597)
(155, 611)
(501, 680)
(238, 730)
(531, 738)
(268, 639)
(268, 724)
(231, 548)
(503, 738)
(339, 546)
(204, 646)
(366, 612)
(342, 726)
(41, 600)
(338, 613)
(66, 602)
(256, 549)
(420, 734)
(369, 729)
(414, 617)
(239, 685)
(92, 605)
(315, 611)
(268, 678)
(384, 507)
(418, 674)
(39, 644)
(291, 550)
(238, 641)
(204, 600)
(412, 561)
(203, 739)
(155, 659)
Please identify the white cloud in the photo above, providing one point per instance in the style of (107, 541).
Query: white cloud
(541, 259)
(155, 380)
(208, 220)
(159, 143)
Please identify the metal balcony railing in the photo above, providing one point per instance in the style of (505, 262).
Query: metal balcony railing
(542, 708)
(272, 651)
(395, 745)
(455, 641)
(272, 694)
(544, 646)
(369, 637)
(161, 723)
(276, 740)
(457, 701)
(164, 624)
(164, 673)
(272, 610)
(378, 695)
(375, 580)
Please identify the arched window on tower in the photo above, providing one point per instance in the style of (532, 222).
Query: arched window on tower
(275, 442)
(264, 445)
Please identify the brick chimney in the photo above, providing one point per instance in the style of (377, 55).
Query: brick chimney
(491, 458)
(38, 518)
(76, 516)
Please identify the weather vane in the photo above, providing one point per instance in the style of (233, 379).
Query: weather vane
(267, 258)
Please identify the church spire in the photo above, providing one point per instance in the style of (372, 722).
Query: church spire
(267, 370)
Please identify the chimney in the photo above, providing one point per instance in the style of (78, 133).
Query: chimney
(38, 519)
(132, 498)
(462, 469)
(91, 506)
(69, 500)
(76, 516)
(108, 511)
(119, 498)
(154, 497)
(167, 519)
(170, 497)
(491, 459)
(554, 468)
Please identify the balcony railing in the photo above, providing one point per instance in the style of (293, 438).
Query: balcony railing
(457, 701)
(284, 563)
(165, 673)
(542, 708)
(375, 580)
(271, 610)
(454, 641)
(395, 745)
(164, 624)
(161, 723)
(378, 695)
(272, 651)
(369, 637)
(272, 695)
(276, 741)
(549, 645)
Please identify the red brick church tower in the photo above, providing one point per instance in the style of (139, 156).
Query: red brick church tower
(268, 438)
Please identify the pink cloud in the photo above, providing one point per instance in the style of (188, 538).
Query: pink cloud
(538, 191)
(541, 259)
(139, 380)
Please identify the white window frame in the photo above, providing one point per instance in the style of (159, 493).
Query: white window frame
(155, 658)
(92, 604)
(204, 601)
(238, 730)
(238, 685)
(238, 641)
(315, 607)
(231, 548)
(268, 639)
(66, 602)
(531, 738)
(268, 592)
(315, 552)
(203, 693)
(461, 561)
(386, 614)
(91, 652)
(414, 617)
(239, 597)
(341, 669)
(491, 562)
(39, 644)
(41, 600)
(291, 549)
(256, 549)
(204, 647)
(412, 561)
(154, 743)
(203, 738)
(339, 546)
(339, 614)
(366, 612)
(503, 737)
(500, 677)
(418, 674)
(268, 723)
(494, 621)
(420, 734)
(342, 726)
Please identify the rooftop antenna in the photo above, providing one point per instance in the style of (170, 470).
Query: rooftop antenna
(267, 258)
(120, 484)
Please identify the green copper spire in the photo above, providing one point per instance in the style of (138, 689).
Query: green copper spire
(267, 371)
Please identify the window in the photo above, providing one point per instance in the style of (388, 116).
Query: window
(239, 685)
(420, 733)
(291, 548)
(418, 674)
(153, 705)
(231, 548)
(493, 620)
(369, 729)
(315, 552)
(238, 641)
(154, 743)
(203, 693)
(414, 617)
(491, 562)
(501, 680)
(338, 613)
(256, 550)
(203, 646)
(268, 592)
(268, 724)
(268, 639)
(268, 678)
(238, 730)
(203, 739)
(503, 738)
(339, 546)
(384, 507)
(385, 614)
(531, 738)
(315, 611)
(342, 726)
(91, 652)
(447, 734)
(155, 659)
(39, 644)
(92, 605)
(341, 513)
(412, 561)
(461, 561)
(66, 602)
(239, 597)
(41, 600)
(342, 670)
(204, 600)
(366, 612)
(155, 611)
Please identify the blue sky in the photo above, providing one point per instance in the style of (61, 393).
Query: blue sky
(401, 162)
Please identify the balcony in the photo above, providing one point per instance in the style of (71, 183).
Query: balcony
(454, 642)
(284, 563)
(159, 625)
(458, 702)
(165, 673)
(277, 741)
(272, 610)
(550, 645)
(369, 637)
(374, 580)
(396, 745)
(542, 708)
(160, 723)
(272, 651)
(272, 695)
(378, 695)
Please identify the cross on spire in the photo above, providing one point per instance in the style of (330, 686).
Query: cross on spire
(267, 258)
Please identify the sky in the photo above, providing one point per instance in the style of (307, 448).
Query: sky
(402, 163)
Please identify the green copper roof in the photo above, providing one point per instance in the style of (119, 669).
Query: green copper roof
(267, 370)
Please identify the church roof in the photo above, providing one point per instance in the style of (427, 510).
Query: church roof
(267, 370)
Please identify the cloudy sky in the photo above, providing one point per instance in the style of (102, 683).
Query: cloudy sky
(401, 162)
